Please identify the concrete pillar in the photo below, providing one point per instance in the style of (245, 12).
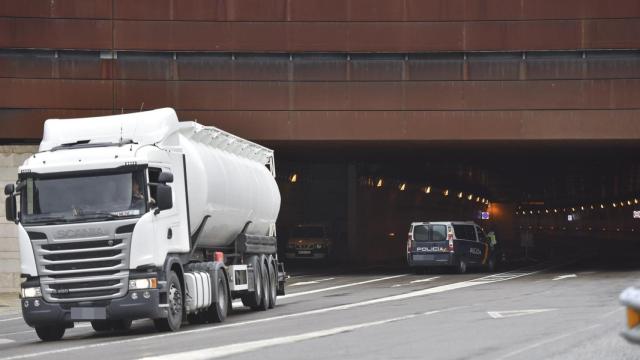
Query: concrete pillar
(11, 156)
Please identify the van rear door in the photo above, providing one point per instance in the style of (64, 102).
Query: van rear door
(430, 242)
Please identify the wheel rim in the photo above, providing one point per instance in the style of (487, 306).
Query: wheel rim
(175, 300)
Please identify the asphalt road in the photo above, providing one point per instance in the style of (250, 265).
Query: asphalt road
(543, 312)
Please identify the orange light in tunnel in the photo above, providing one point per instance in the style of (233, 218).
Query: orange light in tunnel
(546, 211)
(582, 208)
(446, 193)
(601, 206)
(614, 205)
(379, 183)
(628, 202)
(573, 209)
(293, 178)
(555, 211)
(427, 190)
(402, 187)
(470, 197)
(635, 201)
(460, 194)
(592, 208)
(478, 199)
(621, 203)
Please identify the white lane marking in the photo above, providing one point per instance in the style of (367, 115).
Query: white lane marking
(607, 314)
(11, 319)
(249, 346)
(532, 346)
(238, 303)
(514, 313)
(564, 277)
(424, 280)
(6, 341)
(311, 282)
(433, 290)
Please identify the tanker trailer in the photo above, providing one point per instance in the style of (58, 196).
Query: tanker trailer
(140, 216)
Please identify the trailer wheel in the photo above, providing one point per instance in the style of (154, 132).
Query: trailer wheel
(217, 312)
(273, 283)
(174, 294)
(50, 332)
(266, 284)
(254, 299)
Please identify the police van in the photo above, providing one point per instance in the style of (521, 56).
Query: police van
(456, 244)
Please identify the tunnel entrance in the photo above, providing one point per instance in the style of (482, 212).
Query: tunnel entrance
(545, 200)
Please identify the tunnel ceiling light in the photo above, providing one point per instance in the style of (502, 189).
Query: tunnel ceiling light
(293, 178)
(628, 202)
(446, 193)
(614, 205)
(531, 212)
(573, 209)
(582, 208)
(379, 183)
(601, 206)
(427, 190)
(635, 201)
(478, 199)
(592, 207)
(555, 211)
(403, 186)
(470, 197)
(546, 211)
(621, 203)
(460, 194)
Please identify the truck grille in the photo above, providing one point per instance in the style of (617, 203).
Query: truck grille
(83, 270)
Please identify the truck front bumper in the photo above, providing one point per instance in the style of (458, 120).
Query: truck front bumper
(36, 311)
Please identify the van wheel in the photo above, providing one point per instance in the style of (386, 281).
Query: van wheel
(50, 332)
(462, 267)
(173, 321)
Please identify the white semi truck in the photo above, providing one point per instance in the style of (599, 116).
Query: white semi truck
(139, 216)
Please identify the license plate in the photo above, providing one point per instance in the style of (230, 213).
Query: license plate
(88, 313)
(304, 252)
(424, 257)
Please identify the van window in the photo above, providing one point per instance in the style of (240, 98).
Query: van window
(430, 233)
(465, 232)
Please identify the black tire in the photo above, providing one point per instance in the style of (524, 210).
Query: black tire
(462, 267)
(50, 332)
(173, 321)
(273, 283)
(199, 318)
(101, 325)
(266, 284)
(218, 311)
(254, 298)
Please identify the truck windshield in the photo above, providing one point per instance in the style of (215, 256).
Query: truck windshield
(64, 198)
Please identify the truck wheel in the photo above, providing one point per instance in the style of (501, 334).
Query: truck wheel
(462, 267)
(253, 299)
(217, 312)
(266, 284)
(101, 325)
(50, 332)
(273, 283)
(199, 318)
(174, 296)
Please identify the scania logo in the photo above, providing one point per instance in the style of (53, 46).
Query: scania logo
(80, 233)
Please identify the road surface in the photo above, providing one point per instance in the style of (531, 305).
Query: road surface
(546, 311)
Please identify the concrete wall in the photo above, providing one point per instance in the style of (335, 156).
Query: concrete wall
(11, 156)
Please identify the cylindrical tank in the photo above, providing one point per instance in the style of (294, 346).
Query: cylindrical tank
(231, 189)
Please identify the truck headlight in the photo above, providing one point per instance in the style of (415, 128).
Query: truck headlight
(150, 283)
(30, 292)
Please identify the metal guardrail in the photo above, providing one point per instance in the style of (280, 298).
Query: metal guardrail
(630, 298)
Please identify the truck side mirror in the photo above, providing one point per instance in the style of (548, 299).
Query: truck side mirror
(9, 189)
(165, 177)
(164, 198)
(10, 208)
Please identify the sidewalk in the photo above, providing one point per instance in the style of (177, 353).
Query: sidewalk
(9, 303)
